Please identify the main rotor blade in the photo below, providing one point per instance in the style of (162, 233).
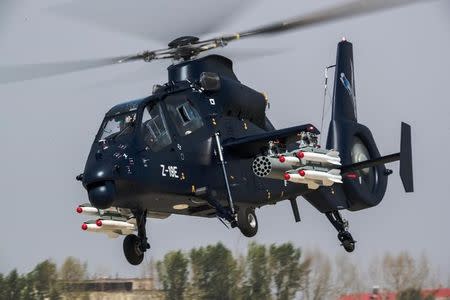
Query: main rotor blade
(348, 9)
(245, 54)
(15, 73)
(155, 20)
(6, 10)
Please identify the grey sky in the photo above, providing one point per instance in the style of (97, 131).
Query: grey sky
(402, 74)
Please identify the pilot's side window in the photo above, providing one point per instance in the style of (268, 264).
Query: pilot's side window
(184, 115)
(154, 128)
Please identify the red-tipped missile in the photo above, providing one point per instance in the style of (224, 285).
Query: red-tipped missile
(327, 178)
(108, 225)
(330, 157)
(86, 210)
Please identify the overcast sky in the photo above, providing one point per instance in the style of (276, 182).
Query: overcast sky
(401, 71)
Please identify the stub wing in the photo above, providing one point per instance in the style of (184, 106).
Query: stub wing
(250, 146)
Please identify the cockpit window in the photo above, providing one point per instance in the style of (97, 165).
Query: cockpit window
(112, 126)
(184, 115)
(155, 132)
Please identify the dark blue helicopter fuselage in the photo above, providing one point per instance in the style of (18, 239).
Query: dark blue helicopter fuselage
(123, 171)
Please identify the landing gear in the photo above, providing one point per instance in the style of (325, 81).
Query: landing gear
(247, 221)
(135, 246)
(341, 226)
(131, 249)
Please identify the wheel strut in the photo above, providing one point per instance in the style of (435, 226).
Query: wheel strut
(141, 220)
(228, 213)
(341, 226)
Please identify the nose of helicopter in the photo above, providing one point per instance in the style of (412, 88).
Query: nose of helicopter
(102, 194)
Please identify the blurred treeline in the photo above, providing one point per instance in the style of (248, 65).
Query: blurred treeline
(285, 272)
(264, 272)
(45, 281)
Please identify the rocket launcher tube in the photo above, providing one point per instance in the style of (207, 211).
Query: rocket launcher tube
(273, 167)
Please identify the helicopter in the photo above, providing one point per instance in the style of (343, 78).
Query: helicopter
(202, 145)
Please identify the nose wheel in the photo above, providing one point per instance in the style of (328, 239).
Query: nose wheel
(247, 221)
(341, 226)
(134, 246)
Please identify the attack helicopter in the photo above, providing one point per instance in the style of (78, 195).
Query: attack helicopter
(202, 145)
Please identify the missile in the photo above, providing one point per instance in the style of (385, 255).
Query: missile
(114, 224)
(314, 178)
(110, 227)
(327, 178)
(330, 157)
(296, 178)
(87, 210)
(109, 233)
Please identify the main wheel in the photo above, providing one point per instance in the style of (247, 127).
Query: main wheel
(349, 246)
(247, 221)
(131, 249)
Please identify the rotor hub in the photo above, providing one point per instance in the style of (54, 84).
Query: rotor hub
(183, 41)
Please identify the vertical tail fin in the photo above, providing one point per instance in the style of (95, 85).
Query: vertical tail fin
(406, 170)
(344, 98)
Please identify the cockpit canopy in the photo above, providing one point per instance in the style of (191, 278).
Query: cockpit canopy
(114, 125)
(155, 123)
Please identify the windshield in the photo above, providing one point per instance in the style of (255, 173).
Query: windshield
(114, 125)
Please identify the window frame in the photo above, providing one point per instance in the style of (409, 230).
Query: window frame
(143, 127)
(177, 120)
(108, 118)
